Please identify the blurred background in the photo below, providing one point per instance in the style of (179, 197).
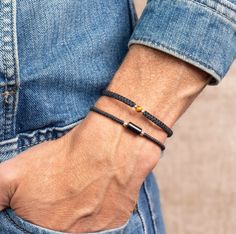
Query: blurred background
(197, 176)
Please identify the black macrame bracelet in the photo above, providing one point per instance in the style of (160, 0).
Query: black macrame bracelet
(138, 108)
(131, 126)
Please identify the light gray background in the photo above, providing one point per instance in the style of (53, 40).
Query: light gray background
(197, 176)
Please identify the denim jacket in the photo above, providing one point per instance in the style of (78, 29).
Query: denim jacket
(56, 56)
(200, 32)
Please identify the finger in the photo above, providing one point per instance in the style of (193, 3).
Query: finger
(7, 185)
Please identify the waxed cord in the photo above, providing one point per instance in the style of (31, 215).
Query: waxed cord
(145, 113)
(131, 126)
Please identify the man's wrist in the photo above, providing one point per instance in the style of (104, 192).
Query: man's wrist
(164, 85)
(127, 114)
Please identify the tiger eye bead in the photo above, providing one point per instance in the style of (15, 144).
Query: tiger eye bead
(138, 108)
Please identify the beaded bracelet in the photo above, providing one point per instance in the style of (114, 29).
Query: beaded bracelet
(131, 126)
(138, 108)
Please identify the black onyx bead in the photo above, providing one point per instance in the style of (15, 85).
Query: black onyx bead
(134, 128)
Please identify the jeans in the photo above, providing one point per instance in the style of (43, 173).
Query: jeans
(147, 218)
(55, 58)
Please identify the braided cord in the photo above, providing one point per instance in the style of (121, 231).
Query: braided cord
(146, 114)
(119, 97)
(134, 128)
(158, 123)
(108, 115)
(154, 140)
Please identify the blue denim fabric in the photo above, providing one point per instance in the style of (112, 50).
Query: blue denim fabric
(200, 32)
(55, 58)
(147, 219)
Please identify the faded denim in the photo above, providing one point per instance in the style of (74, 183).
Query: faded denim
(56, 56)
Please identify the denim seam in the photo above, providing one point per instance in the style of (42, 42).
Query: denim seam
(5, 76)
(150, 207)
(16, 65)
(42, 131)
(215, 11)
(8, 108)
(70, 126)
(232, 7)
(40, 141)
(5, 44)
(25, 137)
(8, 142)
(192, 60)
(35, 143)
(12, 37)
(15, 224)
(141, 219)
(3, 84)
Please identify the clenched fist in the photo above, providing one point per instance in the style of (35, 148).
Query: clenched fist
(87, 180)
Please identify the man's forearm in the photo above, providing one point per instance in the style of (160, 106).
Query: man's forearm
(162, 84)
(98, 167)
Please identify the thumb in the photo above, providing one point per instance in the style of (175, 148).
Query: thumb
(7, 184)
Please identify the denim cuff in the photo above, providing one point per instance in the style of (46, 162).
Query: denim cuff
(200, 32)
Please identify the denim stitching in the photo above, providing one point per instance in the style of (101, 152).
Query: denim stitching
(15, 57)
(225, 5)
(8, 110)
(46, 139)
(214, 10)
(220, 3)
(6, 86)
(14, 65)
(15, 224)
(13, 42)
(32, 144)
(12, 37)
(35, 143)
(17, 67)
(141, 219)
(2, 84)
(143, 39)
(62, 130)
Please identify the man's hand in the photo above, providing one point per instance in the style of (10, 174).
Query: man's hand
(90, 177)
(87, 180)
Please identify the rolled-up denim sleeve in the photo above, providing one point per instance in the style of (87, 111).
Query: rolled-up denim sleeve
(200, 32)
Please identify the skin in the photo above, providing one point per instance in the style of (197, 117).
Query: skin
(90, 177)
